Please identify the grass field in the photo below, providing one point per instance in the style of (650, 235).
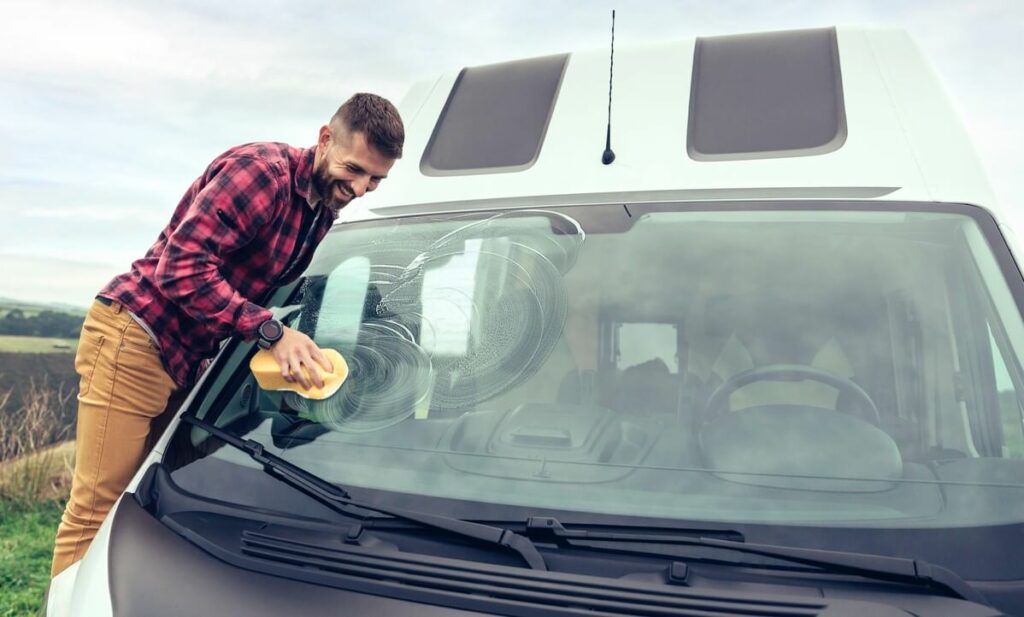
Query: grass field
(26, 547)
(37, 344)
(55, 465)
(27, 528)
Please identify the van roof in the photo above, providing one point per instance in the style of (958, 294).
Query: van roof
(836, 113)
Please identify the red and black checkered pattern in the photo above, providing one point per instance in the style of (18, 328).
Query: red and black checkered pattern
(242, 228)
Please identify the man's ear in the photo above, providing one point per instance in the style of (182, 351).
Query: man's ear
(324, 138)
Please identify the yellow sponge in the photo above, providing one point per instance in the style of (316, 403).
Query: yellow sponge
(268, 375)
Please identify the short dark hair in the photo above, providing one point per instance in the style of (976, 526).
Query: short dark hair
(376, 118)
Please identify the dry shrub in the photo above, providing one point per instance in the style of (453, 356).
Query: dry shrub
(29, 465)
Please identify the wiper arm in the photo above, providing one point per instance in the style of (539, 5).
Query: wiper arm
(878, 567)
(339, 500)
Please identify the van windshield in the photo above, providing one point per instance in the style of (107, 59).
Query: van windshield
(788, 365)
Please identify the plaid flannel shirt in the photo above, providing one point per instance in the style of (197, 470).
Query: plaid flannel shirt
(237, 233)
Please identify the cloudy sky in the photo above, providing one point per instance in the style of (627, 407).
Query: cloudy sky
(108, 110)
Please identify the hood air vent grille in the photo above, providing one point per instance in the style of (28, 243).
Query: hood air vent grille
(516, 591)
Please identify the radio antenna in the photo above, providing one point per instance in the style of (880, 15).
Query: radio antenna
(609, 155)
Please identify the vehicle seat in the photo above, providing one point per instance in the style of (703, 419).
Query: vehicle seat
(648, 388)
(760, 330)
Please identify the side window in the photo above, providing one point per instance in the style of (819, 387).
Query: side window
(1003, 331)
(1009, 405)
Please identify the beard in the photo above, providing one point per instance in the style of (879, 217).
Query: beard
(328, 188)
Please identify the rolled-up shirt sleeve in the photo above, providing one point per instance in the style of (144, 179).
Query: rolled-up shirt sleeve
(240, 197)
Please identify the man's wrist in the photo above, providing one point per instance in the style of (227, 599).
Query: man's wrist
(268, 333)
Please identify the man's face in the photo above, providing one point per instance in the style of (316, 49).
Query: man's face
(347, 167)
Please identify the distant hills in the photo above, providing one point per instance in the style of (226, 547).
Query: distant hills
(7, 304)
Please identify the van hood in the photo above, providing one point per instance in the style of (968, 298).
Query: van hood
(155, 571)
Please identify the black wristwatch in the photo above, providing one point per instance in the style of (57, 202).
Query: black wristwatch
(270, 332)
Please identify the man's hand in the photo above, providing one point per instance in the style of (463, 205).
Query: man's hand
(296, 351)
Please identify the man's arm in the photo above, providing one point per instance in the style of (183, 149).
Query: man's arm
(243, 191)
(237, 201)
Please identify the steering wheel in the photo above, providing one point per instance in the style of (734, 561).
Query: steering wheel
(790, 372)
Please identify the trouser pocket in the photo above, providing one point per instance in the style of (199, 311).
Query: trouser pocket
(90, 345)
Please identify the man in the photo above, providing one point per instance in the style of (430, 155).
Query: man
(248, 224)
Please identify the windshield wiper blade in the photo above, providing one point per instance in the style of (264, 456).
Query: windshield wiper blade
(339, 500)
(551, 528)
(881, 567)
(878, 567)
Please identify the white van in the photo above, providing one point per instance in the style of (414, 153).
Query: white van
(768, 361)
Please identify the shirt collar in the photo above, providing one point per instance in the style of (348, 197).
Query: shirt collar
(304, 177)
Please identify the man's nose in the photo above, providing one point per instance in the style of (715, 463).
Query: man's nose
(359, 186)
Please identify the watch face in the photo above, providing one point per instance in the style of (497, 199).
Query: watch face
(271, 330)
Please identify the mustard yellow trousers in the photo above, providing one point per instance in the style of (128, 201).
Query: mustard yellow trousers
(123, 390)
